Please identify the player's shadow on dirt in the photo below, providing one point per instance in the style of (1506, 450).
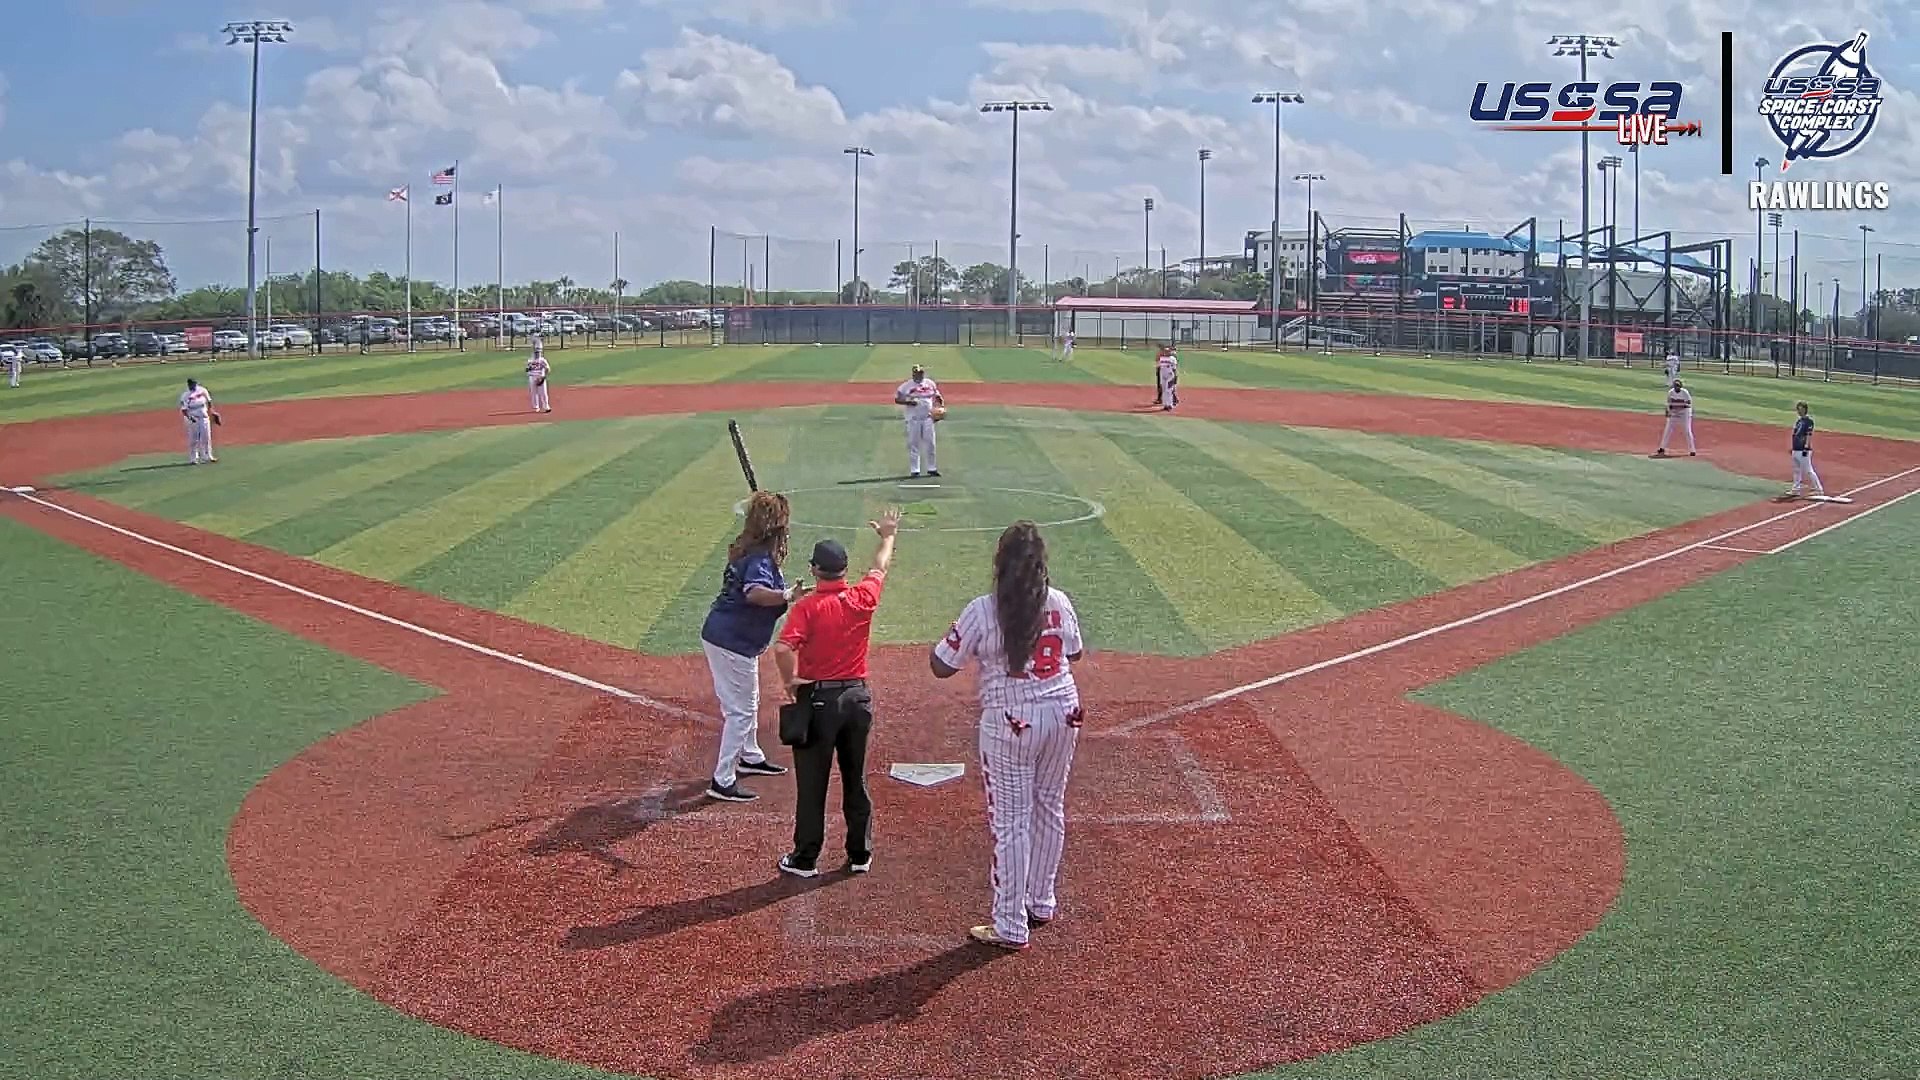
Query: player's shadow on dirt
(592, 830)
(770, 1023)
(662, 919)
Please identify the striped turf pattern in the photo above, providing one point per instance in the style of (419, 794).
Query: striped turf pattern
(1864, 409)
(1212, 535)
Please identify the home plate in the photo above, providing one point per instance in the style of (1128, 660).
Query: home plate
(927, 775)
(1830, 498)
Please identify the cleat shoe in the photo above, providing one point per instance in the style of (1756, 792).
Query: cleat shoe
(986, 935)
(731, 793)
(797, 869)
(762, 768)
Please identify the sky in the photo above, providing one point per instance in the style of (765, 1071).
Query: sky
(663, 121)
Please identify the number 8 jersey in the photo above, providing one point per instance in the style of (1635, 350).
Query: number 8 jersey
(1046, 682)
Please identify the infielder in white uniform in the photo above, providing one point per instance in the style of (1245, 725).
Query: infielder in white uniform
(920, 394)
(1166, 373)
(1030, 720)
(1673, 367)
(196, 406)
(537, 377)
(1679, 415)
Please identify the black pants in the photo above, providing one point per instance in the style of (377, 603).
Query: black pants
(842, 719)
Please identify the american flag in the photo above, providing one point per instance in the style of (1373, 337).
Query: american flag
(398, 194)
(444, 176)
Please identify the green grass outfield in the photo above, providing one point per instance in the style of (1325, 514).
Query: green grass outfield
(1764, 931)
(1861, 408)
(1162, 525)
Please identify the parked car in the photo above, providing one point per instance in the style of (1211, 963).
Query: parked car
(144, 343)
(173, 345)
(297, 336)
(229, 341)
(43, 351)
(271, 339)
(111, 346)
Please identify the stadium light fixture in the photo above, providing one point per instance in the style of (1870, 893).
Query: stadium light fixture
(1200, 270)
(1753, 316)
(1013, 208)
(1586, 47)
(1276, 98)
(253, 34)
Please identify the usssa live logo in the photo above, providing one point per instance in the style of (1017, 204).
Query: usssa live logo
(1821, 101)
(1636, 113)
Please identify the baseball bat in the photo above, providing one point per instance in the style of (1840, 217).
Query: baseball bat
(740, 450)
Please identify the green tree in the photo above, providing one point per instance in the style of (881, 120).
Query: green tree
(923, 278)
(856, 292)
(109, 271)
(29, 299)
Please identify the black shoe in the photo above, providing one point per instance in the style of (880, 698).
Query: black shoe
(731, 793)
(762, 768)
(933, 472)
(797, 869)
(859, 865)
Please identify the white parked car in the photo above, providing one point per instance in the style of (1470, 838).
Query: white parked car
(43, 351)
(173, 344)
(296, 336)
(229, 341)
(272, 339)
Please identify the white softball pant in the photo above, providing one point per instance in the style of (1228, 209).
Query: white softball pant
(1024, 763)
(1803, 471)
(537, 393)
(199, 440)
(736, 682)
(1684, 423)
(920, 443)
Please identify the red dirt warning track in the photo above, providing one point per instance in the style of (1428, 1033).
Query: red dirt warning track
(1285, 874)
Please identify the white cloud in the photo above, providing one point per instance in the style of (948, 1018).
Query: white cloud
(772, 14)
(714, 83)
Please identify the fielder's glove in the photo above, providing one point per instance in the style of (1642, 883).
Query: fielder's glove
(216, 419)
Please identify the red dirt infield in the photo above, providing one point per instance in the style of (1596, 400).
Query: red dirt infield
(1285, 874)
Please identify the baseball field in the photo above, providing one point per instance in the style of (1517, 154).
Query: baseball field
(1435, 729)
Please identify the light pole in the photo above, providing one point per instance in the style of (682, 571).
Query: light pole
(1866, 307)
(1013, 208)
(1759, 173)
(1200, 271)
(1147, 251)
(1310, 268)
(1276, 98)
(857, 153)
(1610, 165)
(1774, 218)
(254, 34)
(1635, 151)
(1584, 46)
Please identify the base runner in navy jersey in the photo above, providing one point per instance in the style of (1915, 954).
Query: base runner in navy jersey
(1030, 720)
(1803, 453)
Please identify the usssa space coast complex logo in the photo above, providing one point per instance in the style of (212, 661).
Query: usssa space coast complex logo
(1822, 100)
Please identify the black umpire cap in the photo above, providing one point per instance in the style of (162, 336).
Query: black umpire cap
(830, 558)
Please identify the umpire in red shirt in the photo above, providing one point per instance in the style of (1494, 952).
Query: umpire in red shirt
(822, 657)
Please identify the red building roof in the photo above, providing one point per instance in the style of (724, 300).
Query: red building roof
(1156, 305)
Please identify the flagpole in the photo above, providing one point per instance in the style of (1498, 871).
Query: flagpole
(614, 338)
(461, 340)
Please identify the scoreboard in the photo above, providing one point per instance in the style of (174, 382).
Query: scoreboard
(1517, 297)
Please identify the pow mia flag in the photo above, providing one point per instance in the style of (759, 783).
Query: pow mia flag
(443, 200)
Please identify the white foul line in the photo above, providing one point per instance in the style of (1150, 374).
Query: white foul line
(1494, 612)
(1741, 550)
(1844, 521)
(447, 639)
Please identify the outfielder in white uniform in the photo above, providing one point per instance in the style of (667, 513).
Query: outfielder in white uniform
(537, 371)
(196, 406)
(1167, 378)
(920, 394)
(14, 358)
(1679, 415)
(1673, 367)
(1030, 720)
(1066, 348)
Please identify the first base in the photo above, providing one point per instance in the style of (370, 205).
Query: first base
(927, 775)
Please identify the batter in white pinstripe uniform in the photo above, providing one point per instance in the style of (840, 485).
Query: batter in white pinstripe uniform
(1029, 725)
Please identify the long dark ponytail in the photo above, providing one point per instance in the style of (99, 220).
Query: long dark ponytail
(1020, 592)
